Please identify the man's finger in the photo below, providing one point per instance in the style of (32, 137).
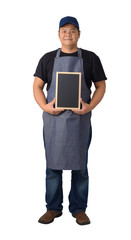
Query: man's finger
(77, 111)
(57, 110)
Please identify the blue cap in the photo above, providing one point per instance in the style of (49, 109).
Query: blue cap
(68, 19)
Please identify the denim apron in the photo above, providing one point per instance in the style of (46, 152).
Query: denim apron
(66, 135)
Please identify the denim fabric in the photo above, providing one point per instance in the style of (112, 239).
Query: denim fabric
(66, 135)
(78, 195)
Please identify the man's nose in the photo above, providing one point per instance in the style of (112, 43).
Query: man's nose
(68, 33)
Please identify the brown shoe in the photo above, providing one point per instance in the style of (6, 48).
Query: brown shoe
(82, 218)
(49, 216)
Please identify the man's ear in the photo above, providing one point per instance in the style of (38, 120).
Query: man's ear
(59, 33)
(79, 34)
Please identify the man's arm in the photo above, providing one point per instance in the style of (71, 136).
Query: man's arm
(40, 98)
(98, 93)
(39, 95)
(96, 98)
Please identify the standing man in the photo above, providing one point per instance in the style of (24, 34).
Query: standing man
(67, 133)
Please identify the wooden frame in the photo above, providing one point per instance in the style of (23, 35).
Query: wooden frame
(70, 92)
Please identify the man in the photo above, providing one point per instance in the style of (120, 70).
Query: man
(67, 133)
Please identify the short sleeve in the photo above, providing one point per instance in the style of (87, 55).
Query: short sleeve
(41, 70)
(98, 73)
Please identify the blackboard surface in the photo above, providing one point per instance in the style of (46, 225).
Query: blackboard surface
(68, 89)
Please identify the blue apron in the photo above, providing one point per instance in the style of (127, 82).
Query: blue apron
(66, 135)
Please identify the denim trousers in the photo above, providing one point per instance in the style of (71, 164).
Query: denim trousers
(78, 195)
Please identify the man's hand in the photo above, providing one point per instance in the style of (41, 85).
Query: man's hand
(49, 108)
(85, 108)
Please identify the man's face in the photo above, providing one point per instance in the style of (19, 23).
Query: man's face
(69, 35)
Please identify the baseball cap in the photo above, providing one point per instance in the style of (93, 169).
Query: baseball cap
(69, 19)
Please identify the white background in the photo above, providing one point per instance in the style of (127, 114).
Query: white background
(29, 29)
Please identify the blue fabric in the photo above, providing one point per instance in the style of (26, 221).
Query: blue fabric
(68, 19)
(78, 195)
(66, 134)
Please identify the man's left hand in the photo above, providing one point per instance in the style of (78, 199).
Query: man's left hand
(85, 108)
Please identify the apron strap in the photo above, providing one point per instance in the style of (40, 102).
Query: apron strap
(58, 53)
(79, 53)
(59, 50)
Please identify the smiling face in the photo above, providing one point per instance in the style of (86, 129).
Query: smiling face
(69, 35)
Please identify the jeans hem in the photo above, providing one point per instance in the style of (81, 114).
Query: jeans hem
(58, 211)
(82, 210)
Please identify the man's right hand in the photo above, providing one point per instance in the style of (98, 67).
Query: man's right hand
(49, 108)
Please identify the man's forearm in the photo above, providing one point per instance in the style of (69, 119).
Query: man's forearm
(40, 97)
(97, 97)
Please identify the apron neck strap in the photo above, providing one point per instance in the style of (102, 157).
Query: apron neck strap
(59, 50)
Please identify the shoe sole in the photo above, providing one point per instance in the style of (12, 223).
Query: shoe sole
(84, 223)
(58, 215)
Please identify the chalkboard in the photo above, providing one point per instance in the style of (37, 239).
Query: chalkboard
(68, 90)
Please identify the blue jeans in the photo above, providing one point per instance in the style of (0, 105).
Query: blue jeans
(78, 195)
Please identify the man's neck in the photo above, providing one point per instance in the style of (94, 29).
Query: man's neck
(69, 49)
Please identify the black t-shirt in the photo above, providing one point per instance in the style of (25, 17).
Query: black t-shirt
(93, 69)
